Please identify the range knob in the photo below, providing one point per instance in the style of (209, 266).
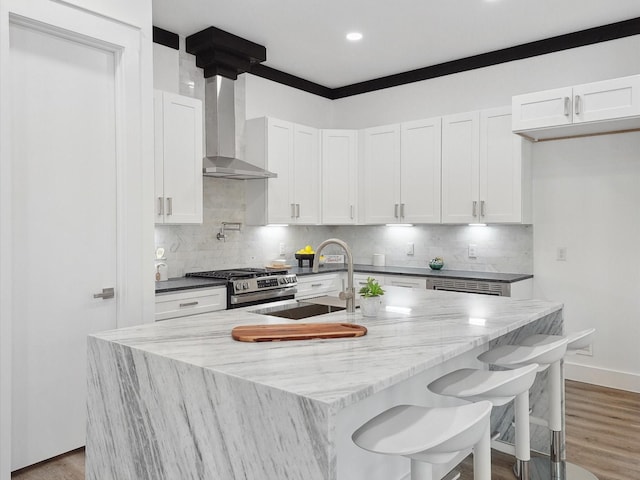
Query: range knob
(282, 280)
(245, 285)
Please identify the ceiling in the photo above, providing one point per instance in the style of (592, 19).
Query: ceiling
(306, 38)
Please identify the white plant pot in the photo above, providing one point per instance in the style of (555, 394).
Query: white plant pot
(370, 306)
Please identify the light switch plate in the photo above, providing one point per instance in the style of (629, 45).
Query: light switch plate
(561, 255)
(410, 248)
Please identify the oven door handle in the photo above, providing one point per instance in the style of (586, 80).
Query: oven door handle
(266, 295)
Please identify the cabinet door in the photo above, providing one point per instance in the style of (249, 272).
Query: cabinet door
(460, 168)
(280, 208)
(158, 150)
(306, 168)
(420, 163)
(380, 175)
(339, 181)
(405, 281)
(310, 286)
(190, 302)
(500, 168)
(542, 109)
(182, 158)
(607, 100)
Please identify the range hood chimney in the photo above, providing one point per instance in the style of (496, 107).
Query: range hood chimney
(223, 56)
(220, 133)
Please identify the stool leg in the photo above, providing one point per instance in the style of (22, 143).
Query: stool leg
(554, 381)
(523, 453)
(421, 470)
(482, 457)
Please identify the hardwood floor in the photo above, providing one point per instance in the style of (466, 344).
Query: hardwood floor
(603, 436)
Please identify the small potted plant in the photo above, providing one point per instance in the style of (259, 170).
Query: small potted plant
(370, 300)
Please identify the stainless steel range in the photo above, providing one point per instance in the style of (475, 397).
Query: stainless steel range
(254, 286)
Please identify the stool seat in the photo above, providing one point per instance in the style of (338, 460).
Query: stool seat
(499, 387)
(513, 356)
(434, 435)
(575, 340)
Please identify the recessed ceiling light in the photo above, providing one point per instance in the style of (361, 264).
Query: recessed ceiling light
(354, 36)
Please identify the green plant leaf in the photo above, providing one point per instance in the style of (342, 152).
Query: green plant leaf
(371, 289)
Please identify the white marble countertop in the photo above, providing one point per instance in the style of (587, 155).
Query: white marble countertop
(416, 330)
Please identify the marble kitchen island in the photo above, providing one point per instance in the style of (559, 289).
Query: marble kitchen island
(180, 399)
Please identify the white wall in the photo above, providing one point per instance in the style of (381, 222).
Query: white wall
(267, 98)
(587, 197)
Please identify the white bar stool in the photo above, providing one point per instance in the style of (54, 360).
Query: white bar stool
(514, 356)
(558, 468)
(499, 387)
(431, 436)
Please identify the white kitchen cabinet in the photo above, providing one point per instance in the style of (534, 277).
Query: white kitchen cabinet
(542, 109)
(420, 171)
(599, 107)
(405, 281)
(178, 158)
(190, 302)
(292, 152)
(486, 175)
(339, 177)
(316, 285)
(380, 174)
(360, 280)
(505, 170)
(460, 168)
(401, 173)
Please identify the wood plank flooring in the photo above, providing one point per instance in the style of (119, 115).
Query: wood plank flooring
(603, 436)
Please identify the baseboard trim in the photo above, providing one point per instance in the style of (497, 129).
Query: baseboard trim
(602, 376)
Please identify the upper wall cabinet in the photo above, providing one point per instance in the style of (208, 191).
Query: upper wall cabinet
(178, 158)
(601, 107)
(293, 153)
(461, 168)
(505, 170)
(486, 174)
(400, 173)
(339, 181)
(380, 175)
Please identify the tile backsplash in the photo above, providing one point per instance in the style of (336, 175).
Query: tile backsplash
(505, 248)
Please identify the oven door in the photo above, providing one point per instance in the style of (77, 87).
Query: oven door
(258, 298)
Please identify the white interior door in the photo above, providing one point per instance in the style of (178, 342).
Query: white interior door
(63, 105)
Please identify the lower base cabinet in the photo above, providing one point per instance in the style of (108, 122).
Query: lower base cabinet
(406, 281)
(190, 302)
(310, 286)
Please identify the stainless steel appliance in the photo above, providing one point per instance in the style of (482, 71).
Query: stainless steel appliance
(485, 287)
(254, 286)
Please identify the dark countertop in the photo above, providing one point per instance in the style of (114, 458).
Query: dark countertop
(418, 272)
(187, 283)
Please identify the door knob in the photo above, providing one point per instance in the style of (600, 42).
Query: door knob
(106, 293)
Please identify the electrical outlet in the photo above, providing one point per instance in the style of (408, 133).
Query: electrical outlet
(561, 254)
(473, 250)
(410, 248)
(281, 249)
(588, 351)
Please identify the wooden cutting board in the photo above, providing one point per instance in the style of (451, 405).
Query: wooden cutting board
(296, 331)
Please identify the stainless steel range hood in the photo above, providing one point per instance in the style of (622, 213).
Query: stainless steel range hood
(220, 133)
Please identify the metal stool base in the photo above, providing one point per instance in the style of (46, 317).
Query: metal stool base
(543, 469)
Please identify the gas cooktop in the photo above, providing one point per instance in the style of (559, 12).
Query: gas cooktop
(234, 273)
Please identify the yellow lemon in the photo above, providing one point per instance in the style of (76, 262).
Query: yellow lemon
(308, 249)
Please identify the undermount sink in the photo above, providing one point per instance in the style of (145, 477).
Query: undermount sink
(298, 311)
